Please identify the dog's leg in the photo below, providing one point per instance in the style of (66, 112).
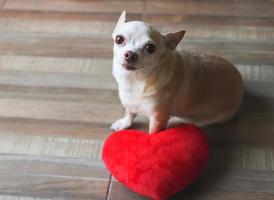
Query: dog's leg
(157, 123)
(125, 122)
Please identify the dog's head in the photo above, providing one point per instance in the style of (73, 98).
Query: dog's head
(137, 45)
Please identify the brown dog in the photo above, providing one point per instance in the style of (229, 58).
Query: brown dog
(170, 86)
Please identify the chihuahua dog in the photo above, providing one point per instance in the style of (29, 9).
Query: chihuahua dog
(168, 86)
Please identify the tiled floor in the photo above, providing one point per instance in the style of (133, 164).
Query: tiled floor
(58, 98)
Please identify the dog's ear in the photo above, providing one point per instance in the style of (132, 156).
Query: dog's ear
(122, 19)
(173, 39)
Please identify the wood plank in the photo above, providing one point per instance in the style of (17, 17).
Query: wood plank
(59, 128)
(244, 131)
(181, 19)
(56, 110)
(212, 195)
(76, 22)
(256, 72)
(52, 178)
(64, 16)
(64, 164)
(49, 146)
(43, 79)
(221, 8)
(42, 127)
(242, 157)
(13, 197)
(233, 182)
(61, 22)
(135, 6)
(56, 64)
(61, 46)
(59, 94)
(58, 26)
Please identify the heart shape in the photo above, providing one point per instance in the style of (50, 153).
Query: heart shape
(156, 165)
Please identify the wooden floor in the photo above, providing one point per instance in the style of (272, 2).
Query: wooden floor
(58, 98)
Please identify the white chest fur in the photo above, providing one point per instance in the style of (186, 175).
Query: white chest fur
(130, 89)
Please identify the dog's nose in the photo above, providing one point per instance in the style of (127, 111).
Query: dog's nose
(131, 56)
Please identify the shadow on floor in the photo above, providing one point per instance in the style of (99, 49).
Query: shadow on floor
(251, 123)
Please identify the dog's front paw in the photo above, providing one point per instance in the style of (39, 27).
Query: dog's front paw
(120, 124)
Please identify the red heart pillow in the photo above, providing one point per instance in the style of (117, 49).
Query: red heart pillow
(156, 165)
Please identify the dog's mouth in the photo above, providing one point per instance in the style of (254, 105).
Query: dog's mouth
(129, 67)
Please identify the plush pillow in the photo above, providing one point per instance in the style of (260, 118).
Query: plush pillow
(156, 165)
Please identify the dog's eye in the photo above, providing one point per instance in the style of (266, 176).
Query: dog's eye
(119, 39)
(150, 48)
